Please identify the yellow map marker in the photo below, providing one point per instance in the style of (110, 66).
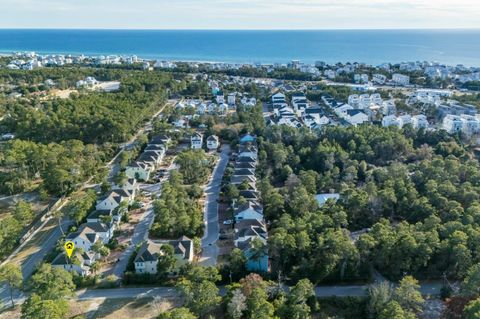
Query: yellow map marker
(69, 246)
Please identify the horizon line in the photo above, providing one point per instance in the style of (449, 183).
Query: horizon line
(237, 29)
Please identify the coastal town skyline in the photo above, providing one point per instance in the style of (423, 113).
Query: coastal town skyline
(241, 14)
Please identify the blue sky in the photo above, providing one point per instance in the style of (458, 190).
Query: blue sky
(239, 14)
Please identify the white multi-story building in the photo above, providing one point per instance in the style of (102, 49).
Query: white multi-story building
(466, 124)
(401, 79)
(419, 121)
(388, 107)
(361, 78)
(390, 120)
(379, 79)
(330, 74)
(196, 141)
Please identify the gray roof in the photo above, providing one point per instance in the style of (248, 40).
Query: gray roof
(246, 159)
(99, 213)
(248, 165)
(243, 172)
(150, 251)
(240, 179)
(250, 228)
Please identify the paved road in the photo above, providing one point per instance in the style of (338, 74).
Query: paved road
(29, 264)
(140, 232)
(320, 291)
(143, 292)
(209, 247)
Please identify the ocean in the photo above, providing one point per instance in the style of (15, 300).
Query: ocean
(369, 46)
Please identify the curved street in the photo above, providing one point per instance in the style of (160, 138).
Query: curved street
(212, 229)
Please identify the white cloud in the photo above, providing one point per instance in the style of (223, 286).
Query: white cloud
(240, 14)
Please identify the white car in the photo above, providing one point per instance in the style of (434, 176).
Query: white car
(228, 222)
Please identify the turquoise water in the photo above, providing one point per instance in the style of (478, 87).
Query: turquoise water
(369, 46)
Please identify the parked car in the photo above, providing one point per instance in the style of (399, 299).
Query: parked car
(228, 222)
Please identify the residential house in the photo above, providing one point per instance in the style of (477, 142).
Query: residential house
(401, 79)
(196, 141)
(249, 165)
(390, 120)
(452, 124)
(243, 172)
(231, 99)
(379, 79)
(247, 233)
(147, 257)
(213, 142)
(250, 194)
(250, 228)
(341, 110)
(279, 100)
(356, 117)
(419, 121)
(236, 180)
(139, 170)
(78, 262)
(246, 159)
(219, 97)
(466, 124)
(360, 78)
(256, 261)
(114, 198)
(130, 185)
(89, 233)
(98, 215)
(250, 210)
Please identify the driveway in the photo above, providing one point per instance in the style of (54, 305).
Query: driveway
(140, 233)
(210, 216)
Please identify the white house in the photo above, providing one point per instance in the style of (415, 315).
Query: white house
(401, 79)
(130, 186)
(147, 257)
(139, 170)
(231, 99)
(356, 117)
(361, 78)
(113, 199)
(249, 210)
(379, 79)
(278, 100)
(79, 262)
(89, 233)
(390, 120)
(220, 98)
(404, 120)
(419, 121)
(196, 141)
(452, 123)
(341, 110)
(467, 124)
(213, 142)
(388, 107)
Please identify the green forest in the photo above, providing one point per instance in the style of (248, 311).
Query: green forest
(412, 194)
